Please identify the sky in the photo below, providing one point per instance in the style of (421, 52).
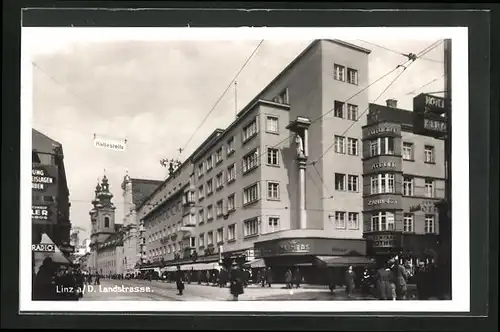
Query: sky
(155, 93)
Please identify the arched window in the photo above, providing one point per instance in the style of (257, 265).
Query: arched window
(106, 221)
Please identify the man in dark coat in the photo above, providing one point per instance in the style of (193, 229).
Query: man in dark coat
(179, 279)
(269, 276)
(44, 287)
(422, 281)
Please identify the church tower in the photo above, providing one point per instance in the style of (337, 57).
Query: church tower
(102, 214)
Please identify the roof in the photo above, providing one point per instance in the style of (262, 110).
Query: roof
(42, 142)
(142, 189)
(114, 240)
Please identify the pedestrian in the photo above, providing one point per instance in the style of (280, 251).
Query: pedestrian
(262, 277)
(207, 277)
(383, 282)
(179, 278)
(269, 276)
(288, 278)
(44, 288)
(422, 281)
(350, 278)
(297, 277)
(391, 263)
(236, 287)
(366, 282)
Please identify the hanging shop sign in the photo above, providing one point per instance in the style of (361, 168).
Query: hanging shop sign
(44, 180)
(43, 214)
(110, 144)
(429, 115)
(425, 103)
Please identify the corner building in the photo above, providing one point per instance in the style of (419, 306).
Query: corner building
(242, 192)
(403, 179)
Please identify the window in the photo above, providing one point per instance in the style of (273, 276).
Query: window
(382, 183)
(352, 76)
(231, 173)
(353, 220)
(230, 146)
(210, 163)
(382, 221)
(201, 240)
(192, 242)
(282, 98)
(106, 221)
(352, 146)
(272, 125)
(352, 112)
(220, 235)
(339, 144)
(407, 186)
(250, 161)
(231, 203)
(273, 157)
(251, 194)
(340, 220)
(338, 109)
(429, 188)
(407, 151)
(429, 223)
(429, 154)
(250, 130)
(218, 208)
(408, 222)
(339, 181)
(210, 238)
(251, 227)
(382, 145)
(200, 170)
(273, 190)
(210, 212)
(352, 183)
(219, 180)
(273, 224)
(231, 232)
(218, 155)
(210, 187)
(339, 73)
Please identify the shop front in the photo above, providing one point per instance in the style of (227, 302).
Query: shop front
(311, 257)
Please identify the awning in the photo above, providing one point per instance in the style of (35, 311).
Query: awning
(200, 266)
(256, 263)
(57, 256)
(344, 261)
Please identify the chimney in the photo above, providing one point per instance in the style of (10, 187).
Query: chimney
(392, 103)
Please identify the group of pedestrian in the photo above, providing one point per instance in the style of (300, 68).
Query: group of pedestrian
(391, 280)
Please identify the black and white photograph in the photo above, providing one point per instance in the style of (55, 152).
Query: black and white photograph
(244, 169)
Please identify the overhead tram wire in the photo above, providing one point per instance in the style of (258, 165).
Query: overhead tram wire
(405, 67)
(222, 96)
(425, 85)
(409, 55)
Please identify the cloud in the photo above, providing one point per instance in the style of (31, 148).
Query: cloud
(156, 93)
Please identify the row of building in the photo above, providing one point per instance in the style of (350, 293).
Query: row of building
(301, 177)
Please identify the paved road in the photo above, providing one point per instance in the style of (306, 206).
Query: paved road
(164, 291)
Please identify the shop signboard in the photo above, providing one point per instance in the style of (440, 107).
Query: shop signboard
(43, 247)
(44, 180)
(310, 246)
(43, 214)
(382, 130)
(382, 202)
(382, 164)
(429, 115)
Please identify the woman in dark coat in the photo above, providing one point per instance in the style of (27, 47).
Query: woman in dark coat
(350, 278)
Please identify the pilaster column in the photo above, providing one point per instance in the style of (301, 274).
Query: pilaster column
(302, 162)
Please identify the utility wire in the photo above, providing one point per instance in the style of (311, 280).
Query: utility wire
(222, 95)
(409, 55)
(425, 85)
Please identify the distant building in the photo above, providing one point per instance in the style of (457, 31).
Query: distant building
(106, 236)
(134, 192)
(50, 194)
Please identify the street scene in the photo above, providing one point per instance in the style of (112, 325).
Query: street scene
(319, 172)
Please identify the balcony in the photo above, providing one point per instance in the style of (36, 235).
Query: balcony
(188, 198)
(188, 223)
